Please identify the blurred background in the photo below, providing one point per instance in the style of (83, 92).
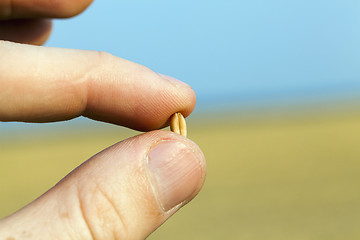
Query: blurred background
(278, 87)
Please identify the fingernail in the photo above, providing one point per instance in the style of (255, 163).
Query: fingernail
(174, 81)
(175, 172)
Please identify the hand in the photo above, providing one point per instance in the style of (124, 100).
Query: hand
(130, 188)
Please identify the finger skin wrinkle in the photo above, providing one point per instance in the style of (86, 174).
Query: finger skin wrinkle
(84, 217)
(82, 87)
(120, 217)
(99, 83)
(100, 214)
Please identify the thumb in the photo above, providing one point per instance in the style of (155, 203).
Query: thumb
(123, 192)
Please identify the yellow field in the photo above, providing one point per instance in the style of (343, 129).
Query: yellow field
(292, 178)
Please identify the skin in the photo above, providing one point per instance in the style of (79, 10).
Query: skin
(112, 195)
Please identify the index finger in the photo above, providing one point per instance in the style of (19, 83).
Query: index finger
(10, 9)
(42, 84)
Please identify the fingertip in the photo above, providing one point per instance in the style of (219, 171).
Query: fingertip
(186, 90)
(44, 9)
(29, 31)
(66, 9)
(136, 96)
(177, 171)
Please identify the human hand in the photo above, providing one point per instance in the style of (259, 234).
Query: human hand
(127, 190)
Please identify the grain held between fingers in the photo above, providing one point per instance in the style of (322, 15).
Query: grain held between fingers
(178, 124)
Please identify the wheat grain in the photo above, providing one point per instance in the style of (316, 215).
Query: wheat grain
(178, 124)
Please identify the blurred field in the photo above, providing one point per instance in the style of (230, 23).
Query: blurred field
(268, 178)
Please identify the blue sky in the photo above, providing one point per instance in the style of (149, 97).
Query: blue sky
(240, 51)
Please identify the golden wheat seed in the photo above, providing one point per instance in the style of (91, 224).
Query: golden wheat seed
(178, 124)
(182, 124)
(174, 123)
